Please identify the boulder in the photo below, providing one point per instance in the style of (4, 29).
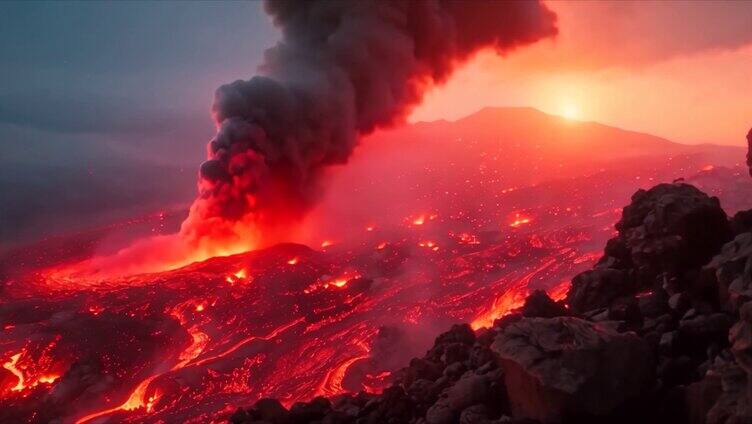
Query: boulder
(568, 367)
(470, 390)
(671, 228)
(540, 305)
(597, 288)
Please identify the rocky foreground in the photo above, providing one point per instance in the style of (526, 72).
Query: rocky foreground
(660, 330)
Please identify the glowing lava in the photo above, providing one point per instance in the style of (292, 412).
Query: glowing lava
(11, 366)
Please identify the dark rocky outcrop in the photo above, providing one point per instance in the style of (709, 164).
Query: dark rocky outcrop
(660, 330)
(560, 367)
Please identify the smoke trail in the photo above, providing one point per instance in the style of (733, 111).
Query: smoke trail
(341, 70)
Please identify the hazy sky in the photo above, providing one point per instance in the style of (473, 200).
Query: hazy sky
(682, 70)
(117, 94)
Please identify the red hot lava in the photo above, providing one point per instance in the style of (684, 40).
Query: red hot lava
(191, 344)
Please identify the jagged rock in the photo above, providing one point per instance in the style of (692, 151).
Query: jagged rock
(420, 369)
(679, 303)
(568, 366)
(668, 342)
(741, 222)
(470, 390)
(455, 352)
(672, 227)
(264, 410)
(539, 304)
(626, 309)
(653, 303)
(732, 405)
(481, 355)
(455, 370)
(501, 323)
(732, 271)
(597, 288)
(459, 333)
(740, 337)
(701, 396)
(422, 392)
(699, 332)
(303, 412)
(476, 414)
(393, 405)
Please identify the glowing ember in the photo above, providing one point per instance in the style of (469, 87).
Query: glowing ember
(422, 218)
(340, 282)
(519, 220)
(48, 379)
(429, 245)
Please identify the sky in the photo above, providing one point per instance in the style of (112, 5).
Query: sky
(105, 104)
(675, 69)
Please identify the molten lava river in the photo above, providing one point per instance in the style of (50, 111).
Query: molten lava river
(292, 322)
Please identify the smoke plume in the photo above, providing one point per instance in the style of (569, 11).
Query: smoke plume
(341, 70)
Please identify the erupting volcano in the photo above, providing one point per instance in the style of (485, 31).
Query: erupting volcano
(312, 264)
(341, 71)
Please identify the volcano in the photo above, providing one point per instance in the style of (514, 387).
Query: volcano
(428, 225)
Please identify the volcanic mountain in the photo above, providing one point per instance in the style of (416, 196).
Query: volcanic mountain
(429, 224)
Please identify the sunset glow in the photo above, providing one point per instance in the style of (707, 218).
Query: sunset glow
(571, 111)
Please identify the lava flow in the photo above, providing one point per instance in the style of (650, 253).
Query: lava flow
(292, 322)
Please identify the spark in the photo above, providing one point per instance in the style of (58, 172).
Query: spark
(519, 220)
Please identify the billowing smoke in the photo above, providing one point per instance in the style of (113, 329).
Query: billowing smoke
(341, 70)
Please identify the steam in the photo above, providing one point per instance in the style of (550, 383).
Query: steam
(341, 70)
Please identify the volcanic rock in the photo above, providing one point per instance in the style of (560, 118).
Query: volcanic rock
(741, 222)
(597, 288)
(732, 272)
(540, 305)
(672, 227)
(264, 410)
(567, 366)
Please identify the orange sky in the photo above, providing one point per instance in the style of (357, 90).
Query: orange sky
(682, 70)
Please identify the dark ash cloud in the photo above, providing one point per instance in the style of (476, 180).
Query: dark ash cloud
(341, 70)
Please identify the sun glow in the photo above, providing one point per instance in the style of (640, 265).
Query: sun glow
(571, 111)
